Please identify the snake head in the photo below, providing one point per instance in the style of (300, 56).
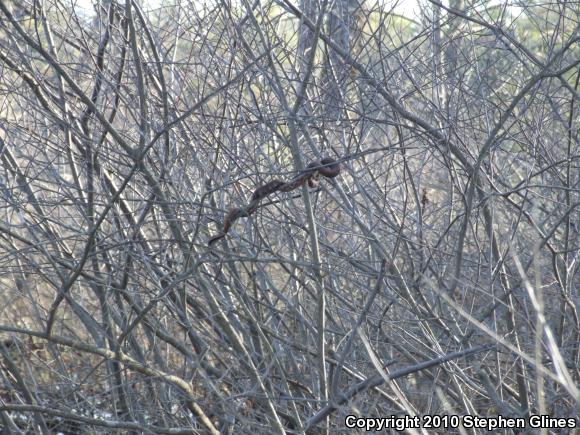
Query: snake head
(330, 168)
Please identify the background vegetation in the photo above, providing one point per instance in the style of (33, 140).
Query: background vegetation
(450, 236)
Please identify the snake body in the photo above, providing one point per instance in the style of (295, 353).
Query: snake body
(326, 167)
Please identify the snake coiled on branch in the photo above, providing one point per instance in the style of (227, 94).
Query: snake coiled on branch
(326, 167)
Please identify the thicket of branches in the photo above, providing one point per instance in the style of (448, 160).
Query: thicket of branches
(450, 236)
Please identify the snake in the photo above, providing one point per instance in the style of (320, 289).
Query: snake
(326, 167)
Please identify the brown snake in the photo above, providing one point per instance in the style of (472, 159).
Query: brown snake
(326, 167)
